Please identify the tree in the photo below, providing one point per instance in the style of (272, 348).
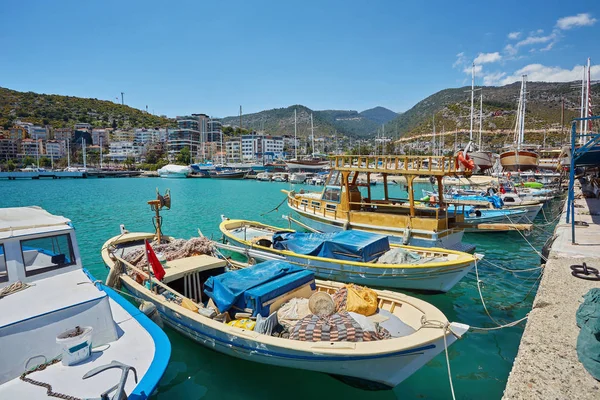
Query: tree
(28, 160)
(10, 165)
(129, 161)
(45, 162)
(184, 156)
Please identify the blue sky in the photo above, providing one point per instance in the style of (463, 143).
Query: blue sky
(211, 57)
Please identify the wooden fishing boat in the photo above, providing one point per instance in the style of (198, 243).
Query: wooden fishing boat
(341, 205)
(518, 158)
(60, 328)
(355, 258)
(307, 165)
(385, 362)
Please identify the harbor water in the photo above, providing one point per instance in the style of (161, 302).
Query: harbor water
(480, 362)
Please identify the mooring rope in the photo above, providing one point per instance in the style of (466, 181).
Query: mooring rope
(276, 208)
(13, 288)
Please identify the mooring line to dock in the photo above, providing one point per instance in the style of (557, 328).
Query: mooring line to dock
(528, 242)
(510, 269)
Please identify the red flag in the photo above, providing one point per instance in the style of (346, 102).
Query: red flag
(157, 268)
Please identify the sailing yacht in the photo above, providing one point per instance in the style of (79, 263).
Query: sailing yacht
(519, 159)
(482, 159)
(315, 163)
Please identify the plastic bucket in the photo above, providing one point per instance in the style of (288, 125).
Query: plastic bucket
(76, 344)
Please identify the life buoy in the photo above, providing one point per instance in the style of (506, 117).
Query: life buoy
(432, 199)
(465, 160)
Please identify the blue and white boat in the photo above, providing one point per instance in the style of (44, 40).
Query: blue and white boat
(174, 171)
(61, 330)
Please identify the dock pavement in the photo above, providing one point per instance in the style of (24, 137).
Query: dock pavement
(546, 366)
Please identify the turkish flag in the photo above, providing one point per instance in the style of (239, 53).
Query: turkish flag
(157, 268)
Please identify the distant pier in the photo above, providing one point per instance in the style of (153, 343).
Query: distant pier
(42, 175)
(547, 366)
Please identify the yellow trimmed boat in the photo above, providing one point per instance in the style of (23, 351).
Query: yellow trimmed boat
(351, 256)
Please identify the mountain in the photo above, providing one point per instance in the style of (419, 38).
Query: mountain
(64, 111)
(452, 108)
(379, 115)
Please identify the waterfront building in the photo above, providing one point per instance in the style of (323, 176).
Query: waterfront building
(146, 136)
(215, 131)
(38, 132)
(25, 125)
(121, 136)
(103, 134)
(63, 134)
(254, 145)
(120, 151)
(18, 132)
(83, 126)
(32, 148)
(9, 148)
(190, 133)
(56, 148)
(233, 149)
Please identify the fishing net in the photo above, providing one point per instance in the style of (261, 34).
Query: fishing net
(174, 250)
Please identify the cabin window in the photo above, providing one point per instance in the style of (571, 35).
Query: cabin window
(47, 253)
(334, 178)
(3, 270)
(330, 207)
(316, 205)
(304, 202)
(332, 194)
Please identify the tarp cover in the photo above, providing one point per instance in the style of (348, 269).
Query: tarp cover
(228, 289)
(588, 341)
(347, 245)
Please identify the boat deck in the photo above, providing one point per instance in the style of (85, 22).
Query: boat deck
(134, 347)
(54, 293)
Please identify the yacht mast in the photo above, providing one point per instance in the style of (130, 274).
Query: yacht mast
(295, 134)
(472, 94)
(583, 85)
(100, 151)
(83, 152)
(312, 133)
(523, 107)
(587, 100)
(433, 144)
(480, 120)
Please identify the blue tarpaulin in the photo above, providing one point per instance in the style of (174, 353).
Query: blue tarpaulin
(227, 290)
(347, 245)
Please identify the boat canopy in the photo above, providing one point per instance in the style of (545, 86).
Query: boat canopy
(243, 288)
(495, 200)
(349, 245)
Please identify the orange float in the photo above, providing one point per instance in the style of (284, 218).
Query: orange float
(465, 160)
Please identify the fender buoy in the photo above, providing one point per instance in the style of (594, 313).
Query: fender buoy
(432, 199)
(465, 160)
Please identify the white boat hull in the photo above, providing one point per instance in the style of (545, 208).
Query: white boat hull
(482, 159)
(438, 279)
(388, 369)
(307, 165)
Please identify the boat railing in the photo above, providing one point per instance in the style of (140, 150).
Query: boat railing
(398, 165)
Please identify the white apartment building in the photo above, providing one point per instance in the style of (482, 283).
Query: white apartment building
(119, 151)
(255, 146)
(56, 148)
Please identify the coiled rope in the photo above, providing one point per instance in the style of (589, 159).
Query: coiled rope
(13, 288)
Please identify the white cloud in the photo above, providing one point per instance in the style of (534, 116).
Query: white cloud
(493, 78)
(573, 21)
(536, 40)
(510, 50)
(460, 60)
(483, 58)
(549, 47)
(514, 35)
(543, 73)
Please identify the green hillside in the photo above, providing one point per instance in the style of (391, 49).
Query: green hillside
(452, 108)
(65, 111)
(379, 115)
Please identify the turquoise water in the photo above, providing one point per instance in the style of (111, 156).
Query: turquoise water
(480, 362)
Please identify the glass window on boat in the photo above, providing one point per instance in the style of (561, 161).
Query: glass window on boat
(332, 194)
(3, 270)
(316, 204)
(334, 178)
(47, 253)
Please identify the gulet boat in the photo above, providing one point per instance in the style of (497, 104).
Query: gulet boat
(61, 330)
(341, 205)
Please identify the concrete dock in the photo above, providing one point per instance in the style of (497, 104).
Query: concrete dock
(546, 366)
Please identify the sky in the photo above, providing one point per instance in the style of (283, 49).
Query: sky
(182, 57)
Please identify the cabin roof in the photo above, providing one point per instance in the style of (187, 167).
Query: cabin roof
(27, 218)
